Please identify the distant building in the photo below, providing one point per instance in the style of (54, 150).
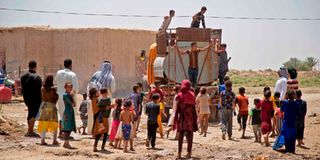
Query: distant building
(87, 47)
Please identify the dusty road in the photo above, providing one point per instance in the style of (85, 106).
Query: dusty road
(16, 146)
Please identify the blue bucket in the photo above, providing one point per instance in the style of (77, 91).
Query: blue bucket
(2, 80)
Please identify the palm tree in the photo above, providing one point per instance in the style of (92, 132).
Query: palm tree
(311, 62)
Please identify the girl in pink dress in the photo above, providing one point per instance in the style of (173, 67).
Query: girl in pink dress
(115, 122)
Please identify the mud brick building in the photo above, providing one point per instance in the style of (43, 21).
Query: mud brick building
(87, 47)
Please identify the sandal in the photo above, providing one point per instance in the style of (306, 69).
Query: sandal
(43, 144)
(32, 134)
(188, 155)
(55, 143)
(67, 146)
(111, 144)
(62, 137)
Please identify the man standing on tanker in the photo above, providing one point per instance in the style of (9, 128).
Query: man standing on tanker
(199, 17)
(223, 60)
(193, 61)
(167, 20)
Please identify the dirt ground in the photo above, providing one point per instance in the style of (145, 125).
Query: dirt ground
(13, 145)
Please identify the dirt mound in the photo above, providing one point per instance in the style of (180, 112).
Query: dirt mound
(10, 129)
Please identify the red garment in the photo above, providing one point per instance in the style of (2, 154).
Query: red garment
(186, 94)
(186, 115)
(114, 129)
(156, 90)
(292, 84)
(267, 112)
(279, 114)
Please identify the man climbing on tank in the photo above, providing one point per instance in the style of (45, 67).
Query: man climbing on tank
(167, 20)
(193, 60)
(165, 24)
(223, 60)
(199, 17)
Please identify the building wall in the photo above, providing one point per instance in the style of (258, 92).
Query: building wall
(86, 47)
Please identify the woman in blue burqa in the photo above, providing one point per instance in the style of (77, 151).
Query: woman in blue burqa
(102, 78)
(287, 135)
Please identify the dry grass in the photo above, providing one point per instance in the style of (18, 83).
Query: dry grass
(261, 78)
(259, 90)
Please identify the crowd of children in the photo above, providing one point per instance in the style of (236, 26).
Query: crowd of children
(269, 115)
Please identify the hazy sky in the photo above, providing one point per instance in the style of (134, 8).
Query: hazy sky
(252, 44)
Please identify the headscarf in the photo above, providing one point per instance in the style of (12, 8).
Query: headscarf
(283, 73)
(186, 95)
(292, 72)
(103, 77)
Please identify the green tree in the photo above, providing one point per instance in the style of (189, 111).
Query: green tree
(293, 62)
(311, 62)
(297, 64)
(304, 67)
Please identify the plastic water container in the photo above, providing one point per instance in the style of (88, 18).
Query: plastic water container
(2, 81)
(5, 94)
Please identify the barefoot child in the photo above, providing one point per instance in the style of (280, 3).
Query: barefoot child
(222, 87)
(302, 111)
(152, 110)
(277, 118)
(135, 98)
(83, 109)
(157, 89)
(159, 119)
(255, 118)
(174, 108)
(93, 110)
(48, 113)
(267, 112)
(142, 96)
(102, 127)
(68, 119)
(243, 103)
(273, 100)
(202, 102)
(115, 123)
(126, 117)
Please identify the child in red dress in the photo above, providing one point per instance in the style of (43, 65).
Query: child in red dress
(267, 112)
